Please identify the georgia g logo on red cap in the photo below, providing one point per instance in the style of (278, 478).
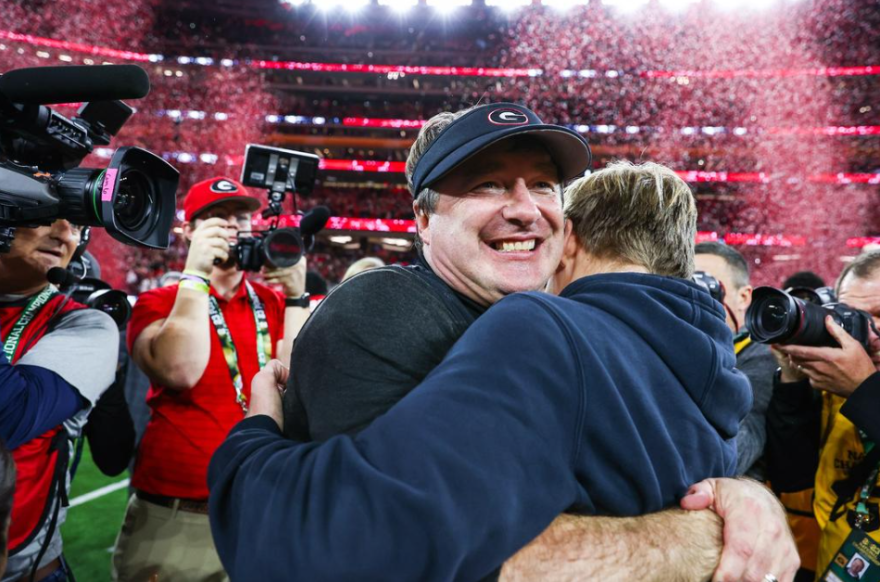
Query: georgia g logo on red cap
(508, 117)
(224, 186)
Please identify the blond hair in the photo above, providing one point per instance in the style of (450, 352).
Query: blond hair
(642, 214)
(362, 265)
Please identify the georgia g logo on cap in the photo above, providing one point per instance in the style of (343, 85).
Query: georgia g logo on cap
(223, 186)
(508, 117)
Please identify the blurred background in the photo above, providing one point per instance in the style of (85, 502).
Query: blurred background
(769, 108)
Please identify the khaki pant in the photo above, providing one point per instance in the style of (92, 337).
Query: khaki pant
(163, 544)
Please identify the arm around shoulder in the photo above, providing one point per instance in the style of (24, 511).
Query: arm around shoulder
(461, 453)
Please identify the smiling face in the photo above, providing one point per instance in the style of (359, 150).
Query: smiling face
(497, 226)
(34, 251)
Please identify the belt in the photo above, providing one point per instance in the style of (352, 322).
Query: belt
(180, 503)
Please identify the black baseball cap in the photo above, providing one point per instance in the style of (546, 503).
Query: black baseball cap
(489, 124)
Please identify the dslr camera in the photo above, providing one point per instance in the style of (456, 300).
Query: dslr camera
(780, 317)
(279, 171)
(710, 284)
(133, 198)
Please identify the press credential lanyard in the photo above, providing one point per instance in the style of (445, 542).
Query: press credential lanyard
(264, 349)
(862, 513)
(31, 309)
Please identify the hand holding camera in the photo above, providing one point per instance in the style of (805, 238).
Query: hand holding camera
(837, 370)
(210, 243)
(291, 279)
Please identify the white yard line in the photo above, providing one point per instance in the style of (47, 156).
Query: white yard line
(99, 493)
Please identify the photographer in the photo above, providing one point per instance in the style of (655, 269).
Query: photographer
(200, 343)
(58, 357)
(824, 418)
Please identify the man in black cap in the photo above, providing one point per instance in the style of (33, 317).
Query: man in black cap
(487, 184)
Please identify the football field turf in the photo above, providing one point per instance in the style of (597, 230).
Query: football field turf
(91, 527)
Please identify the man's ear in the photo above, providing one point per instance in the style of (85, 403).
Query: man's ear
(745, 296)
(422, 224)
(570, 244)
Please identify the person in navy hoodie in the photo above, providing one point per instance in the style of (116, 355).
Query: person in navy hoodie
(610, 399)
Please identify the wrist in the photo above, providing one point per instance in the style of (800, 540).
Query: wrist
(194, 285)
(302, 300)
(190, 273)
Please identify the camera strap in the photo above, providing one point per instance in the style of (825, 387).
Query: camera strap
(264, 342)
(10, 346)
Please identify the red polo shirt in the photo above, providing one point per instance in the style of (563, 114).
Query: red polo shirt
(187, 426)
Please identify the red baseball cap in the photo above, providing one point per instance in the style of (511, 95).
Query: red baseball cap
(215, 191)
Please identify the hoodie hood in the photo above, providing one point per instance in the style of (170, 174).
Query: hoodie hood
(688, 330)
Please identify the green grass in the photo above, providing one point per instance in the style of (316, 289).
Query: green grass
(90, 530)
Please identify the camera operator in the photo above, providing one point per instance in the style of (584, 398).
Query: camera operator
(58, 357)
(826, 436)
(200, 343)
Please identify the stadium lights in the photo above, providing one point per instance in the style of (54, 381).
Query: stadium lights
(747, 4)
(447, 6)
(508, 5)
(677, 5)
(353, 6)
(399, 5)
(625, 5)
(348, 5)
(564, 4)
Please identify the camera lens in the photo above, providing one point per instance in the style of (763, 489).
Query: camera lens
(776, 317)
(134, 201)
(283, 248)
(773, 316)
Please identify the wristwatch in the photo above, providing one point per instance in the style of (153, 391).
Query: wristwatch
(301, 301)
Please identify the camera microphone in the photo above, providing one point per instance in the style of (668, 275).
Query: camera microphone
(45, 85)
(62, 278)
(314, 220)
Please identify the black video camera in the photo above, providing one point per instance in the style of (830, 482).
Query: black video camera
(279, 171)
(133, 198)
(777, 317)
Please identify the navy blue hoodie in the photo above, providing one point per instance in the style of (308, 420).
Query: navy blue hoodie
(611, 399)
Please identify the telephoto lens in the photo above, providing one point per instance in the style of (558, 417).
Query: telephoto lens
(776, 317)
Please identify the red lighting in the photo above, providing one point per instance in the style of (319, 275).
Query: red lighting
(362, 166)
(862, 241)
(706, 236)
(384, 123)
(767, 73)
(386, 69)
(348, 223)
(75, 46)
(764, 240)
(867, 70)
(698, 176)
